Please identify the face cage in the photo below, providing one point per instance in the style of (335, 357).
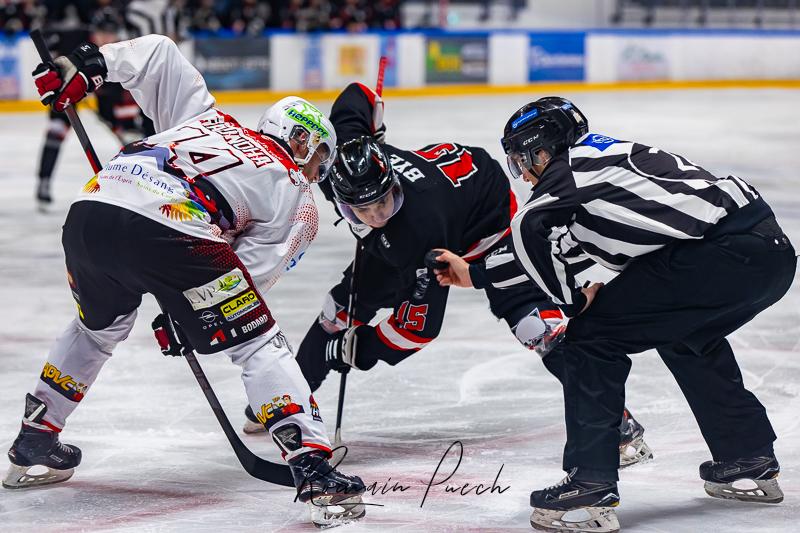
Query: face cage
(347, 212)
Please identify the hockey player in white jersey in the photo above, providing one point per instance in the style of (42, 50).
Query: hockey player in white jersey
(205, 215)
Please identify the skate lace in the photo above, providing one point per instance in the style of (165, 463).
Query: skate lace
(561, 483)
(63, 449)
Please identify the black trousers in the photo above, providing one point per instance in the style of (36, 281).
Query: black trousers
(682, 300)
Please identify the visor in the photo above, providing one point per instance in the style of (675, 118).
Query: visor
(379, 217)
(303, 137)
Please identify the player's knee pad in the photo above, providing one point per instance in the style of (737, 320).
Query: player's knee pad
(260, 352)
(108, 338)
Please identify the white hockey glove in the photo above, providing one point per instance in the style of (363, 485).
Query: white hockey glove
(340, 351)
(541, 331)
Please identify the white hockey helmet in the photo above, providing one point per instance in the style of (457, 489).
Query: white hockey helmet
(294, 118)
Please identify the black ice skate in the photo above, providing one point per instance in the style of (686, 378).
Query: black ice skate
(721, 476)
(632, 447)
(334, 498)
(252, 425)
(592, 503)
(38, 448)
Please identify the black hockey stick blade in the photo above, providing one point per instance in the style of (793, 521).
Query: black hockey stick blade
(254, 465)
(72, 114)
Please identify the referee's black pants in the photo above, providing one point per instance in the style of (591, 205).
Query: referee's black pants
(682, 300)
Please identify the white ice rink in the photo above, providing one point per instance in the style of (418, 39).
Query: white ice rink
(154, 458)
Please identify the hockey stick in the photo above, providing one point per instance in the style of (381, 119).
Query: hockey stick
(72, 114)
(351, 304)
(351, 309)
(253, 465)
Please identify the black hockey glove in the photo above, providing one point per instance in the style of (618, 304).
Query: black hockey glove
(169, 336)
(67, 80)
(340, 350)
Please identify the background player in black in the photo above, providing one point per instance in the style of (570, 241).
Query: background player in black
(116, 108)
(698, 256)
(401, 204)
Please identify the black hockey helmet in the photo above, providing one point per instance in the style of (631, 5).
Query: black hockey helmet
(107, 20)
(551, 123)
(361, 176)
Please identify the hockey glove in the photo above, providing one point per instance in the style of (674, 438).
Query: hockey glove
(378, 127)
(67, 80)
(541, 331)
(169, 336)
(340, 350)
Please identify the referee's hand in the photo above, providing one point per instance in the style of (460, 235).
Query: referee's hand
(590, 292)
(456, 273)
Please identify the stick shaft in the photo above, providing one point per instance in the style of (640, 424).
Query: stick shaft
(72, 115)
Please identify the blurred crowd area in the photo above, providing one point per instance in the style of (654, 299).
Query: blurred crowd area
(178, 18)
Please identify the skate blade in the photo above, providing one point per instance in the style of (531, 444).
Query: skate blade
(251, 427)
(765, 491)
(600, 520)
(635, 452)
(326, 515)
(18, 477)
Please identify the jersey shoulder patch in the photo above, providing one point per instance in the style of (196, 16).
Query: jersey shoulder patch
(601, 142)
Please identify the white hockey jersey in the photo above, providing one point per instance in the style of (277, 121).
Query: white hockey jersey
(274, 215)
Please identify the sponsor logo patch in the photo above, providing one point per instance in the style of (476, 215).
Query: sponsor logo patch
(239, 306)
(250, 326)
(314, 409)
(221, 289)
(66, 386)
(279, 408)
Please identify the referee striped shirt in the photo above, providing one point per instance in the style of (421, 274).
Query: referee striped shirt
(612, 201)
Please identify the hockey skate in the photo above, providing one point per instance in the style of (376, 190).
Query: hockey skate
(722, 478)
(37, 448)
(252, 425)
(44, 199)
(576, 506)
(333, 498)
(632, 447)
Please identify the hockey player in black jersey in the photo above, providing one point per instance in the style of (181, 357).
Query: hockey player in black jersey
(698, 256)
(401, 204)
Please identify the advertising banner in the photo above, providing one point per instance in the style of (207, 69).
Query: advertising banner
(557, 56)
(9, 69)
(241, 63)
(456, 59)
(388, 49)
(643, 59)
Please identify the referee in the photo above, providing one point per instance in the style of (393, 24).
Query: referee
(699, 256)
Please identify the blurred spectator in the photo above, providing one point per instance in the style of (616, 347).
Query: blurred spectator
(176, 17)
(18, 15)
(352, 16)
(250, 17)
(386, 15)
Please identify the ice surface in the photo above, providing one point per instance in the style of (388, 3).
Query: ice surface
(155, 459)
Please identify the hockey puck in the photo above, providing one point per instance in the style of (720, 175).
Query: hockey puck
(431, 262)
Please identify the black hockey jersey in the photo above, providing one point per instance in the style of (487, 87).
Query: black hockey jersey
(455, 197)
